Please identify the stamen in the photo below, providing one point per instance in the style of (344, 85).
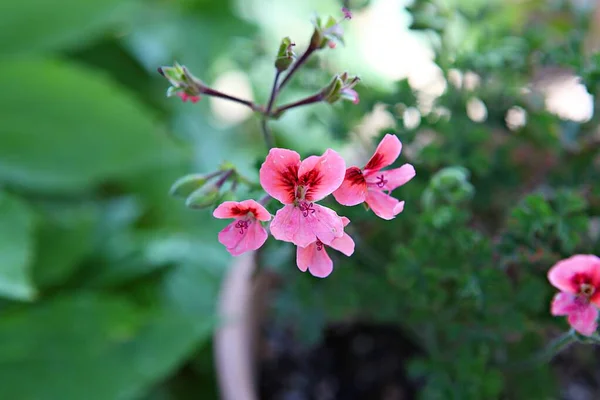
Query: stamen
(306, 208)
(381, 181)
(319, 245)
(586, 289)
(241, 225)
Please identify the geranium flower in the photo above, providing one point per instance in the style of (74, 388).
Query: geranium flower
(314, 257)
(578, 279)
(246, 233)
(371, 185)
(299, 185)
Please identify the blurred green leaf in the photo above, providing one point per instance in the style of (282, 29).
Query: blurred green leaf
(63, 238)
(16, 242)
(66, 128)
(92, 347)
(32, 26)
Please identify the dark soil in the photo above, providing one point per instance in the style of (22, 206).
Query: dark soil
(352, 362)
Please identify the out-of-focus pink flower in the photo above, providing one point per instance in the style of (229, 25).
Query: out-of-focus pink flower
(314, 257)
(331, 44)
(347, 13)
(245, 233)
(578, 279)
(185, 97)
(373, 186)
(351, 95)
(299, 185)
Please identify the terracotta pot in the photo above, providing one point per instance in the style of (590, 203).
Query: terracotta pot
(242, 306)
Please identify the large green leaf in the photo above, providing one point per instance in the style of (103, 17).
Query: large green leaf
(64, 237)
(16, 229)
(92, 347)
(66, 127)
(31, 26)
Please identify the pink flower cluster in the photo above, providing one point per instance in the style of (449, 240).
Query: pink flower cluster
(299, 185)
(578, 279)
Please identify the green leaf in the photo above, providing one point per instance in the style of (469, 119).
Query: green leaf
(63, 238)
(92, 347)
(65, 128)
(32, 26)
(16, 228)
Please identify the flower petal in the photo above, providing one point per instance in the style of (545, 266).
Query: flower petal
(584, 320)
(234, 209)
(353, 190)
(344, 244)
(279, 174)
(304, 256)
(345, 221)
(317, 261)
(564, 304)
(238, 241)
(562, 274)
(321, 175)
(383, 205)
(386, 153)
(325, 224)
(259, 211)
(290, 225)
(391, 179)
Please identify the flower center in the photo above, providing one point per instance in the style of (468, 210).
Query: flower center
(306, 208)
(242, 225)
(319, 245)
(587, 290)
(381, 181)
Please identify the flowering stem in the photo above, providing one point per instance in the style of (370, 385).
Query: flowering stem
(308, 100)
(297, 65)
(266, 132)
(215, 93)
(556, 346)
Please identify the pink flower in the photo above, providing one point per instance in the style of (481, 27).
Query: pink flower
(299, 185)
(351, 95)
(370, 184)
(245, 233)
(185, 97)
(578, 279)
(347, 13)
(314, 257)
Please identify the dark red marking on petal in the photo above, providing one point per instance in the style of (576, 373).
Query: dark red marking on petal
(355, 176)
(311, 181)
(288, 180)
(375, 163)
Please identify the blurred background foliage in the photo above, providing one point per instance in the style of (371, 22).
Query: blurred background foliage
(109, 286)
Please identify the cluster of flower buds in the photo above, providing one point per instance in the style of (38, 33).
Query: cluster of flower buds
(285, 55)
(341, 87)
(327, 32)
(206, 190)
(183, 83)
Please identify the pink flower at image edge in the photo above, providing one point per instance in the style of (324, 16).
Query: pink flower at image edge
(370, 183)
(246, 233)
(299, 185)
(315, 259)
(578, 279)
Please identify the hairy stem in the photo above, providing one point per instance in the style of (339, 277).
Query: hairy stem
(296, 65)
(221, 95)
(308, 100)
